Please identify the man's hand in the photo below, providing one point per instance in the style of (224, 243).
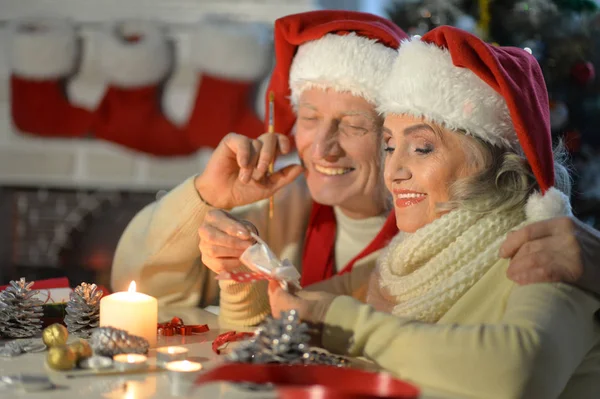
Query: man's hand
(560, 249)
(236, 173)
(223, 239)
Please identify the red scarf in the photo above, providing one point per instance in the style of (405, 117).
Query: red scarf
(318, 258)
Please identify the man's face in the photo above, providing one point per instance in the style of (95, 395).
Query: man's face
(338, 136)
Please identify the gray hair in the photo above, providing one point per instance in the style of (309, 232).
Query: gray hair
(505, 180)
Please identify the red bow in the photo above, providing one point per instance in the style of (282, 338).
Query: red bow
(230, 336)
(177, 326)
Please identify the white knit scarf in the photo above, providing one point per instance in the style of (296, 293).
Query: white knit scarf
(421, 275)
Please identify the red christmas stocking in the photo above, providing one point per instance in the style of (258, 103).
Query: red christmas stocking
(130, 113)
(136, 57)
(232, 58)
(43, 56)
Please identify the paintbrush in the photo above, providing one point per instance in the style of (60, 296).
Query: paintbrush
(271, 129)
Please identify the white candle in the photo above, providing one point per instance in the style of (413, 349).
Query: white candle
(182, 374)
(128, 361)
(183, 366)
(170, 353)
(131, 311)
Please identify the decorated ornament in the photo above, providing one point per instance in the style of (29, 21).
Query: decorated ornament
(83, 310)
(55, 335)
(22, 311)
(61, 358)
(109, 341)
(559, 114)
(583, 72)
(285, 341)
(82, 349)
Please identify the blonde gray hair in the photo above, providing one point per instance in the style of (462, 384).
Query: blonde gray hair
(505, 180)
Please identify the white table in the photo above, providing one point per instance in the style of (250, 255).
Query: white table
(138, 386)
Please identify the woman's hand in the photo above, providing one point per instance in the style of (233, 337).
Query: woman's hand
(223, 239)
(236, 173)
(312, 306)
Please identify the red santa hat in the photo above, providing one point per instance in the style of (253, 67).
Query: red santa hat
(498, 94)
(342, 50)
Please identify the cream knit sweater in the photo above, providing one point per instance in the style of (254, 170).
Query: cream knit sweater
(478, 335)
(159, 250)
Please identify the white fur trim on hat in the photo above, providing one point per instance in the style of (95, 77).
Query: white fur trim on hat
(42, 48)
(424, 82)
(232, 50)
(348, 63)
(135, 63)
(552, 204)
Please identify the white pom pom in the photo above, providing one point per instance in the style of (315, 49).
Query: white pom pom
(552, 204)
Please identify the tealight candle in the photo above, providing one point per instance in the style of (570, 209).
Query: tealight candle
(170, 353)
(129, 361)
(182, 374)
(131, 311)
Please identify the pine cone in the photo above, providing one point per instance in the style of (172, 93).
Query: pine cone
(22, 312)
(3, 319)
(83, 310)
(284, 340)
(109, 341)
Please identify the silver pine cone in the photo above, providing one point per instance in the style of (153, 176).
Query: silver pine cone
(110, 341)
(20, 313)
(83, 310)
(286, 341)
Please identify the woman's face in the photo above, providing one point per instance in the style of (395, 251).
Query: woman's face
(338, 136)
(421, 163)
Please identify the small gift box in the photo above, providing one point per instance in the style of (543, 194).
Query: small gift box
(264, 265)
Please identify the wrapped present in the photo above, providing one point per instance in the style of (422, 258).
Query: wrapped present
(263, 264)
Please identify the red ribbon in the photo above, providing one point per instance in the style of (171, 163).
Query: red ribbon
(177, 326)
(227, 337)
(311, 382)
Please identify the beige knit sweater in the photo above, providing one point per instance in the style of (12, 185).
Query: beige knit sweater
(159, 250)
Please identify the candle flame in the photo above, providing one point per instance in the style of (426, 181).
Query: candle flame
(132, 287)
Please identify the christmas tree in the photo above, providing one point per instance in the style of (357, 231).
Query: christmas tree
(564, 36)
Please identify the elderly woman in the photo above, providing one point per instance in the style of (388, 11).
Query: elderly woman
(334, 218)
(468, 160)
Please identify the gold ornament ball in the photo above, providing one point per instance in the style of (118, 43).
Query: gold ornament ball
(82, 349)
(61, 358)
(55, 335)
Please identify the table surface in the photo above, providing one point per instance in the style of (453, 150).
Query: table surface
(143, 385)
